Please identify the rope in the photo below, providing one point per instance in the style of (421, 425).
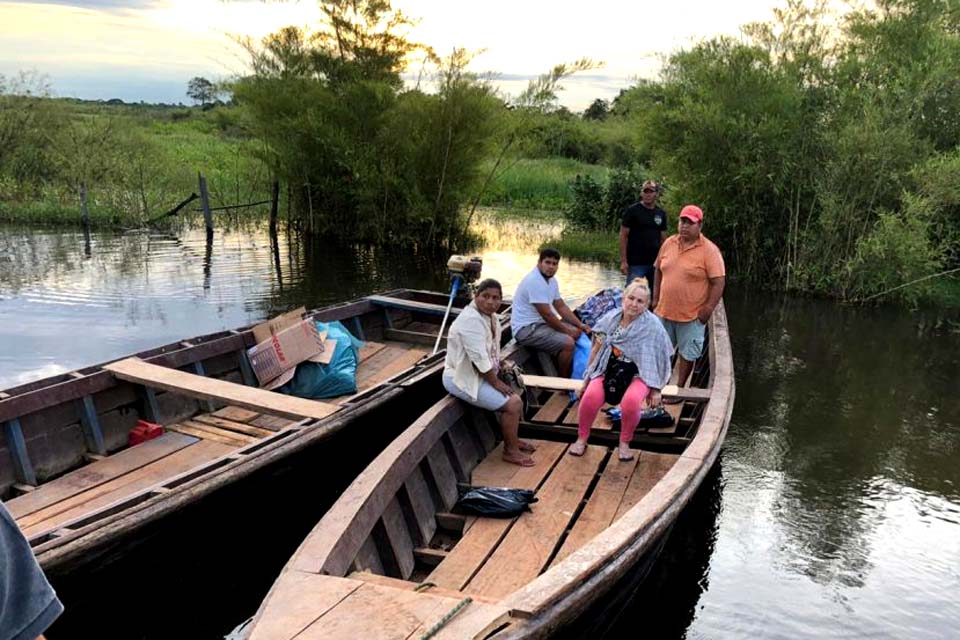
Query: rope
(883, 293)
(442, 622)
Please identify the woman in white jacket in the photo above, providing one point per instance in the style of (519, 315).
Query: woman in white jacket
(473, 362)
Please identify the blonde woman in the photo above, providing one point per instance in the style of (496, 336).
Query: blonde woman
(630, 359)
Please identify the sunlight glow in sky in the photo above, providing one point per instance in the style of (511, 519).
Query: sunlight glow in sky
(148, 49)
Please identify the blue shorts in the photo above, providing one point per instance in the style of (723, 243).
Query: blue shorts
(687, 337)
(487, 397)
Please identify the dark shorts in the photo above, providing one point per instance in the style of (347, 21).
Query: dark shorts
(641, 271)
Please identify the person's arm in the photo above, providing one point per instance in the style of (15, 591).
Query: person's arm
(567, 314)
(714, 293)
(624, 234)
(550, 318)
(496, 382)
(663, 237)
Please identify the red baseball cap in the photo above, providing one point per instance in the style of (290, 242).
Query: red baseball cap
(692, 212)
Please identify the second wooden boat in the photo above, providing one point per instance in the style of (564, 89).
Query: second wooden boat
(73, 484)
(392, 559)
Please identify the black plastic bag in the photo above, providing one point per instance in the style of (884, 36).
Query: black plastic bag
(652, 417)
(496, 502)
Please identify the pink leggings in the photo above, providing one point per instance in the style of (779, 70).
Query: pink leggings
(630, 406)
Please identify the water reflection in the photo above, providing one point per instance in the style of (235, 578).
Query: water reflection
(143, 289)
(845, 433)
(840, 488)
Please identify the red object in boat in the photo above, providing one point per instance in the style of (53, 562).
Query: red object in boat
(144, 431)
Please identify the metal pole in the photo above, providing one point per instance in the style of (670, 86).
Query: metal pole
(453, 294)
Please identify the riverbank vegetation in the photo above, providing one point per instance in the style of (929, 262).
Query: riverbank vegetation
(824, 150)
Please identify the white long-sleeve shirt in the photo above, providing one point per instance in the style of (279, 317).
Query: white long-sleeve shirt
(471, 344)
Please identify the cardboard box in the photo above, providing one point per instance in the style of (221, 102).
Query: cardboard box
(284, 349)
(265, 330)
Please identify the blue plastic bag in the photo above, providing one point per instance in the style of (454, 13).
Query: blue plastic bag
(581, 357)
(338, 378)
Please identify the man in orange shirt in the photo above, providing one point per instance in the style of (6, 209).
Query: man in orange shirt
(687, 287)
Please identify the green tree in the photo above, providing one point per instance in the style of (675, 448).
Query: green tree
(201, 91)
(597, 110)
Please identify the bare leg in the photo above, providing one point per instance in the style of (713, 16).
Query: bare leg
(509, 425)
(684, 367)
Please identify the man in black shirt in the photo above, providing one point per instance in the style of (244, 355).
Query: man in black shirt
(642, 231)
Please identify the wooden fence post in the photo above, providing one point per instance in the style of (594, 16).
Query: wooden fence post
(205, 203)
(84, 213)
(274, 207)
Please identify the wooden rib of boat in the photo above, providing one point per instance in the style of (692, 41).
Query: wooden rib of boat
(392, 559)
(74, 485)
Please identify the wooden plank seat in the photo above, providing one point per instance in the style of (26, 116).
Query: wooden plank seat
(192, 385)
(687, 394)
(413, 305)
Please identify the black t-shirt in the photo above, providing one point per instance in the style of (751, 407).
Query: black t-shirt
(645, 225)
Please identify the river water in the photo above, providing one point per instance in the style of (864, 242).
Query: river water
(834, 510)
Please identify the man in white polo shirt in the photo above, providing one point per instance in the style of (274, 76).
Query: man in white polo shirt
(540, 319)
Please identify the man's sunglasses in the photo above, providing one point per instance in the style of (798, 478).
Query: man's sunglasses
(649, 190)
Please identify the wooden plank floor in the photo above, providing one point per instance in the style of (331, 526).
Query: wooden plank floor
(90, 501)
(97, 473)
(497, 556)
(482, 535)
(185, 445)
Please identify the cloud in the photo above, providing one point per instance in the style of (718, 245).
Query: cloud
(102, 5)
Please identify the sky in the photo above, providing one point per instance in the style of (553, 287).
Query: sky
(148, 49)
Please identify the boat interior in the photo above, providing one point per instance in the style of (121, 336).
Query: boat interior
(75, 447)
(407, 549)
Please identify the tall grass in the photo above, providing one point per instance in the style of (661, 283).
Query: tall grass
(542, 183)
(162, 151)
(601, 246)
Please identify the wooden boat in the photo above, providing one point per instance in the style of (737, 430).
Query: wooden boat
(74, 485)
(392, 560)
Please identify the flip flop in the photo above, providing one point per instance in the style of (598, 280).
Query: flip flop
(624, 458)
(526, 447)
(576, 449)
(522, 462)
